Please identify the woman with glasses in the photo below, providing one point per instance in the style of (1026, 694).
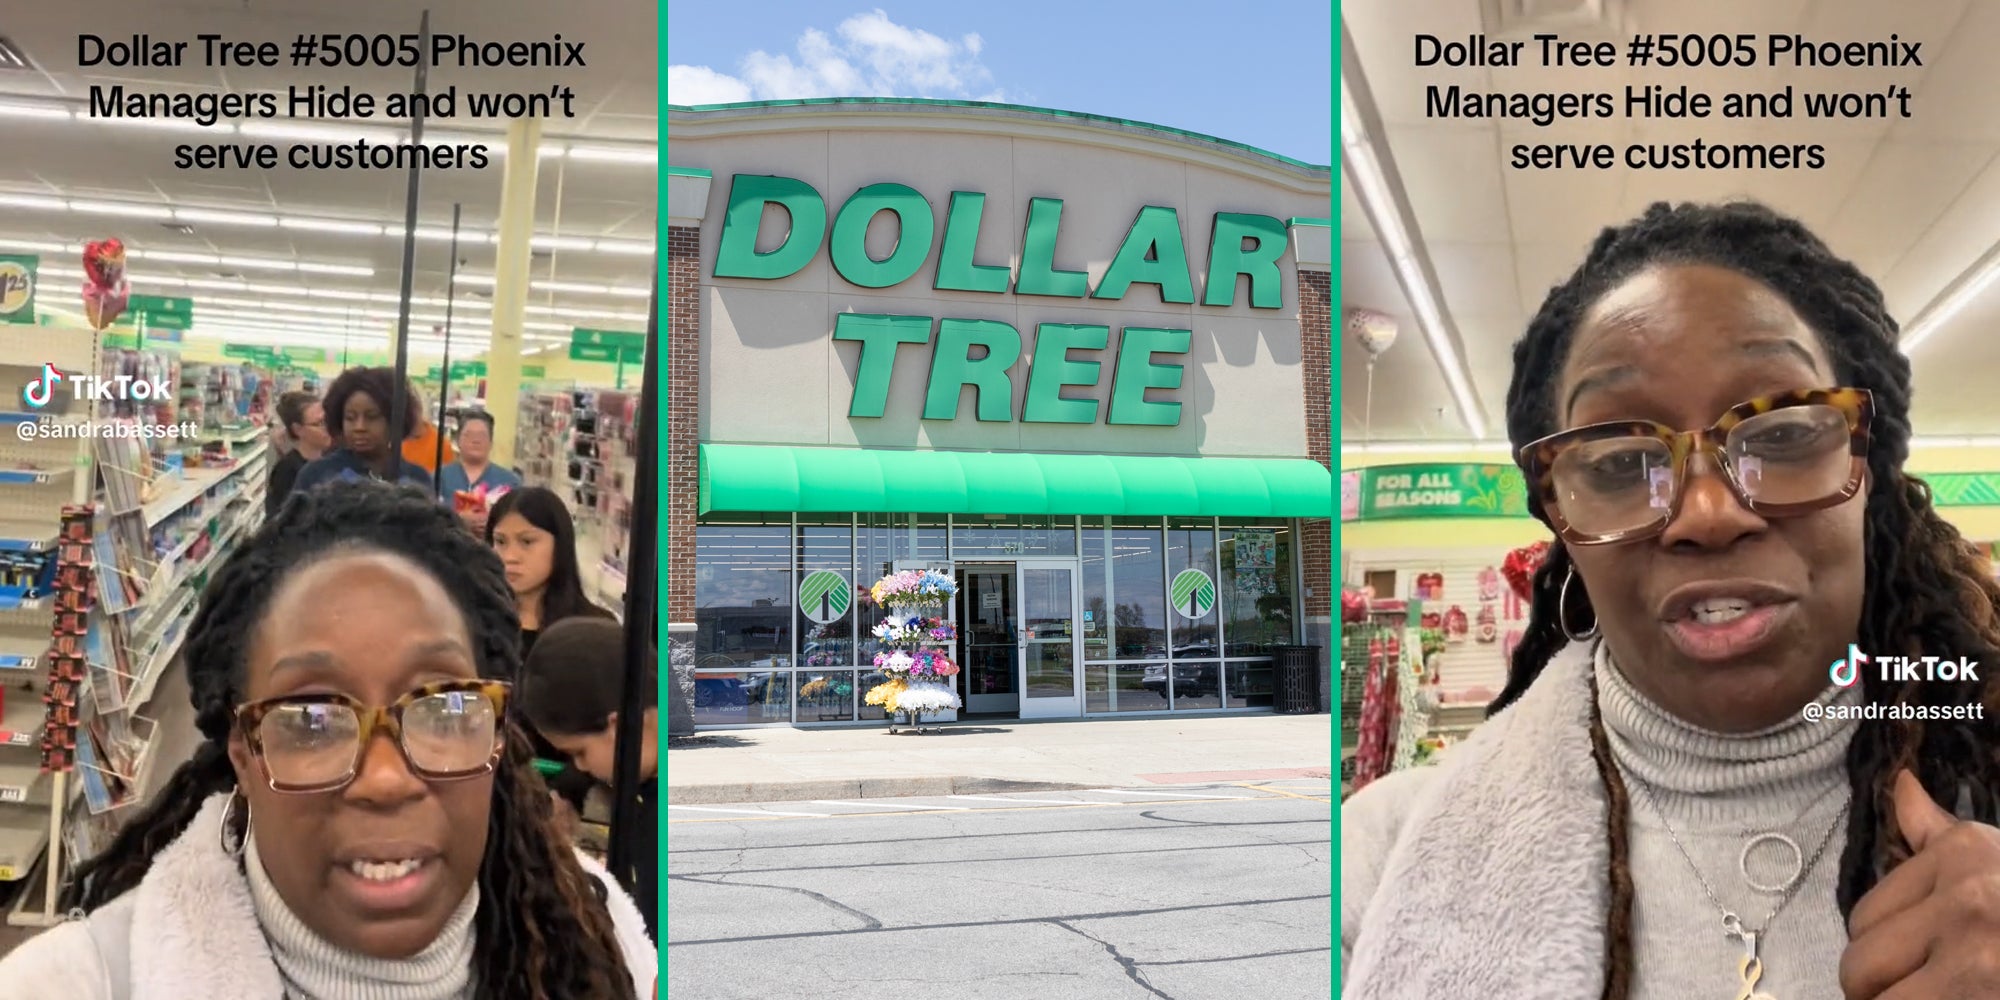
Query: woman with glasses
(363, 820)
(1682, 792)
(304, 423)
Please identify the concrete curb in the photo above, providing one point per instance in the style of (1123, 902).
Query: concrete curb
(855, 788)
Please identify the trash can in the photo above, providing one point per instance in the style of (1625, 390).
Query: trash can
(1297, 680)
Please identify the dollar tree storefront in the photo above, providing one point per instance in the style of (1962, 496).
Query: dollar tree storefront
(1079, 365)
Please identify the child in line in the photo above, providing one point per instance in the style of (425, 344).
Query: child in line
(571, 687)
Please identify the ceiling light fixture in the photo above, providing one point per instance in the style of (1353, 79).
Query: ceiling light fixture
(332, 226)
(1371, 181)
(34, 111)
(600, 154)
(225, 218)
(471, 237)
(1952, 301)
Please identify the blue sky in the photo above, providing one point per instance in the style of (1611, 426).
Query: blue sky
(1257, 73)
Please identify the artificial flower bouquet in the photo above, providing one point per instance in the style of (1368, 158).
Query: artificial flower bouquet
(921, 665)
(913, 589)
(912, 630)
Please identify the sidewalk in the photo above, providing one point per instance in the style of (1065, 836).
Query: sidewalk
(769, 765)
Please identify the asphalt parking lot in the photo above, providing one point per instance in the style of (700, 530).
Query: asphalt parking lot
(1186, 892)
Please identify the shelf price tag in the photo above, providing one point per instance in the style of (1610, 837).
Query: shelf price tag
(13, 793)
(17, 739)
(8, 874)
(17, 663)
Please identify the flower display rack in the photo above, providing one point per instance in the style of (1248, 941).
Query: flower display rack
(917, 661)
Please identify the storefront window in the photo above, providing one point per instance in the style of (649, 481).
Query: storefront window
(1124, 591)
(993, 535)
(826, 621)
(1191, 551)
(742, 698)
(1250, 684)
(1256, 588)
(743, 603)
(882, 541)
(1125, 687)
(826, 696)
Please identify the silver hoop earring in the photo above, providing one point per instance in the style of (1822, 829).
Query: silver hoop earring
(234, 850)
(1562, 612)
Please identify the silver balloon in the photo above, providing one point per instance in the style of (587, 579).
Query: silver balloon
(1372, 330)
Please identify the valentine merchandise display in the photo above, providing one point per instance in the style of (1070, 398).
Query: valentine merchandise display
(916, 663)
(105, 288)
(1459, 613)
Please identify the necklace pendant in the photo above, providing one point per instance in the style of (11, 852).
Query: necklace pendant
(1750, 969)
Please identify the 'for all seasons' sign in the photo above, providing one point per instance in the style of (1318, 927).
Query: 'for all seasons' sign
(980, 352)
(1385, 492)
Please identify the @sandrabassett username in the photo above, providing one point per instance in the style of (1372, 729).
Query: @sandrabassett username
(1892, 669)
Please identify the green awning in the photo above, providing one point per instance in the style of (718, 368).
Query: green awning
(758, 478)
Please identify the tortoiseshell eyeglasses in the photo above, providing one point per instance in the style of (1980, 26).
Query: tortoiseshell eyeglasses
(1781, 456)
(314, 742)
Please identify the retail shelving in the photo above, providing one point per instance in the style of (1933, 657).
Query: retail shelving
(41, 474)
(162, 514)
(582, 444)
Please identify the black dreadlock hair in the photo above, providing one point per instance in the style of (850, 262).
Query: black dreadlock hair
(1926, 590)
(542, 931)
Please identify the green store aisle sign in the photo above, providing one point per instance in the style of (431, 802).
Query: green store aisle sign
(1387, 492)
(534, 371)
(1153, 253)
(610, 346)
(17, 288)
(1193, 594)
(824, 597)
(275, 357)
(160, 312)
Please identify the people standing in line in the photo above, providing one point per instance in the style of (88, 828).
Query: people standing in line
(572, 686)
(425, 446)
(531, 530)
(303, 419)
(474, 467)
(363, 818)
(358, 408)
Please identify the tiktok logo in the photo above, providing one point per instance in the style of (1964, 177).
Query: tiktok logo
(41, 391)
(1845, 672)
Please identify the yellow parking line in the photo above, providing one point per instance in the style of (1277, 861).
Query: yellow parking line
(1280, 791)
(934, 812)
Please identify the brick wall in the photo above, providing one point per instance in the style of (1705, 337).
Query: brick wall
(683, 397)
(1316, 535)
(1316, 334)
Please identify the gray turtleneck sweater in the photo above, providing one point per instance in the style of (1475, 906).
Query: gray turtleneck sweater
(1717, 792)
(314, 969)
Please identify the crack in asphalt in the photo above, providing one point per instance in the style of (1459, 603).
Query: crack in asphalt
(926, 862)
(872, 923)
(988, 836)
(1130, 966)
(1242, 958)
(961, 924)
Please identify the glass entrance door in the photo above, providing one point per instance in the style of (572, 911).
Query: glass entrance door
(991, 641)
(1051, 681)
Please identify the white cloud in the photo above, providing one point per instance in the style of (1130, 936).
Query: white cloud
(868, 55)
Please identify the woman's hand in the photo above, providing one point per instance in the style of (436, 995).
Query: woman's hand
(1931, 929)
